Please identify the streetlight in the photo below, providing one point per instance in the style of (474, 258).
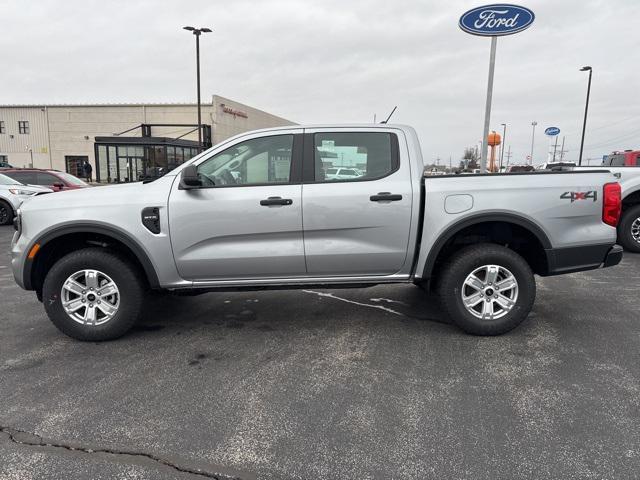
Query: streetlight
(504, 137)
(197, 32)
(586, 108)
(533, 136)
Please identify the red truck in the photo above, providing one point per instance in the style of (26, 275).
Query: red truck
(625, 158)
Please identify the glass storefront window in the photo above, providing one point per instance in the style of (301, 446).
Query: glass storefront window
(102, 163)
(131, 163)
(112, 162)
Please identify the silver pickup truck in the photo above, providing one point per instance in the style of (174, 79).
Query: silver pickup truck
(259, 211)
(629, 225)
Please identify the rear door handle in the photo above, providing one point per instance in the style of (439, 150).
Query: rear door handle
(385, 197)
(276, 201)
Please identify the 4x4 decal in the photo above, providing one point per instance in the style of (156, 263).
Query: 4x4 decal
(574, 196)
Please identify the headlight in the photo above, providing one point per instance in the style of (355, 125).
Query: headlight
(17, 191)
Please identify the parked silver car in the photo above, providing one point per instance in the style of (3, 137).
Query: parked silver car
(257, 211)
(12, 194)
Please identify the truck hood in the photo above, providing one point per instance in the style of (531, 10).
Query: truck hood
(109, 196)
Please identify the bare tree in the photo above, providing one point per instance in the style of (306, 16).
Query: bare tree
(470, 158)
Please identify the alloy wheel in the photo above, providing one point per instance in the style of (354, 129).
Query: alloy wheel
(90, 297)
(490, 292)
(635, 230)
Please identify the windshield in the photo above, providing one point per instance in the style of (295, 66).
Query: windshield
(67, 177)
(4, 180)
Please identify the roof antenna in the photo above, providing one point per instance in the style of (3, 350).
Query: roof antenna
(394, 109)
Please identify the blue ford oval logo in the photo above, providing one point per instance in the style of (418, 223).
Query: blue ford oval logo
(494, 20)
(552, 131)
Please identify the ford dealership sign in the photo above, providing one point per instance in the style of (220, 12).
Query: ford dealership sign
(495, 20)
(552, 131)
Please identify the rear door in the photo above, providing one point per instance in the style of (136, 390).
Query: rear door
(357, 225)
(246, 220)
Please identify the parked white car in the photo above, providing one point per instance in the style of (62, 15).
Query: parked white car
(12, 194)
(335, 173)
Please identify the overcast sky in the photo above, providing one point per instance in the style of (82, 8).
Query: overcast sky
(331, 61)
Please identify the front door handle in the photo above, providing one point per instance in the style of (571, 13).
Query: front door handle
(275, 201)
(385, 197)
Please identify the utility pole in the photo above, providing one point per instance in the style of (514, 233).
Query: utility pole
(555, 147)
(508, 155)
(504, 138)
(562, 149)
(533, 136)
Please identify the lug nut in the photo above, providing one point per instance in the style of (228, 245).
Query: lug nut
(83, 300)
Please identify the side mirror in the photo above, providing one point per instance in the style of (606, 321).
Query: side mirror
(189, 178)
(59, 185)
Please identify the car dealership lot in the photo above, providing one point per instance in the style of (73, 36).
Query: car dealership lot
(359, 383)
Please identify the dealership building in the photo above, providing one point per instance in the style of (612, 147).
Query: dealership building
(122, 142)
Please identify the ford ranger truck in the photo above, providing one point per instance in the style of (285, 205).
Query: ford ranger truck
(259, 211)
(629, 225)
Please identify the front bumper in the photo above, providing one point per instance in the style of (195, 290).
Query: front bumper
(578, 259)
(19, 245)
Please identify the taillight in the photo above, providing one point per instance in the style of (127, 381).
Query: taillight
(611, 204)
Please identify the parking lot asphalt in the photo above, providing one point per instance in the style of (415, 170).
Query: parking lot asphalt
(356, 383)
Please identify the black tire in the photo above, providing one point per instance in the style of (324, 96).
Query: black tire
(127, 278)
(454, 273)
(625, 236)
(6, 213)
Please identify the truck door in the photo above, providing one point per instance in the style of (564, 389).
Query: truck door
(246, 220)
(356, 225)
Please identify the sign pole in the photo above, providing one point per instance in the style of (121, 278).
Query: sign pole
(487, 112)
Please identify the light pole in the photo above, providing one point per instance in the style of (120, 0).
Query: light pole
(533, 136)
(504, 137)
(197, 32)
(586, 108)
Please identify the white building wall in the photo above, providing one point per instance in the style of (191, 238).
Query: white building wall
(69, 130)
(229, 123)
(18, 147)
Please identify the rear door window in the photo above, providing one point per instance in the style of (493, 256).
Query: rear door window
(354, 156)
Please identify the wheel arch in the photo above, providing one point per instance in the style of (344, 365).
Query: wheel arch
(497, 228)
(61, 240)
(631, 198)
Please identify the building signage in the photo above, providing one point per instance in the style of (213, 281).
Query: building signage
(496, 20)
(552, 131)
(235, 113)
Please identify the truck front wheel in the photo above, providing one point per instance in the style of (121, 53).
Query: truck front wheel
(629, 229)
(93, 294)
(487, 289)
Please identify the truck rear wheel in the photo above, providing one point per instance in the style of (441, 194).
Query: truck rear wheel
(487, 289)
(629, 229)
(93, 295)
